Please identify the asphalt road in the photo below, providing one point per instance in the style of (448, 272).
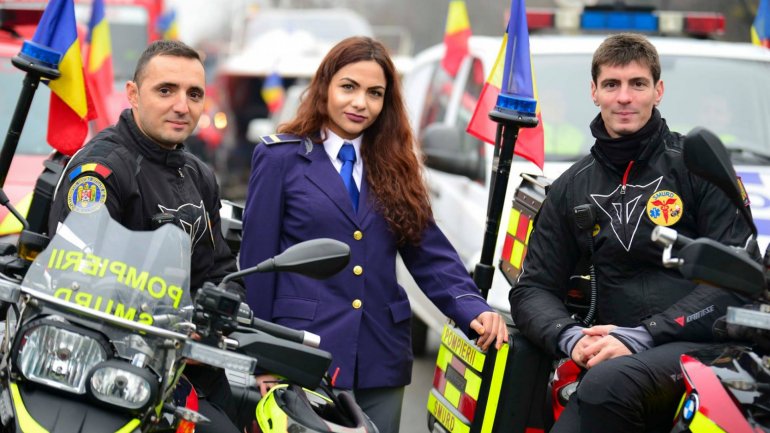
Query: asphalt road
(414, 413)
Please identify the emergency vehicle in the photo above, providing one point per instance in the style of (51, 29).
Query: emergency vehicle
(723, 86)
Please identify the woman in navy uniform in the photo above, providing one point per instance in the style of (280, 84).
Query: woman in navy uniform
(345, 168)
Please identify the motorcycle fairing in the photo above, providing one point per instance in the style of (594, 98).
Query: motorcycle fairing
(716, 405)
(38, 411)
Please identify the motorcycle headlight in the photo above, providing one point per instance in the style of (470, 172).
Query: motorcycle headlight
(58, 354)
(122, 385)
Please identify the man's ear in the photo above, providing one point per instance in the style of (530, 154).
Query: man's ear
(593, 93)
(658, 92)
(132, 93)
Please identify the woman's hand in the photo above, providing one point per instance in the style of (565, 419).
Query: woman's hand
(491, 327)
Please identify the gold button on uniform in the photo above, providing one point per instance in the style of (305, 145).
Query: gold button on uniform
(357, 235)
(358, 270)
(357, 304)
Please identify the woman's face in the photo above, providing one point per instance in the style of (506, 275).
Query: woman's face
(356, 95)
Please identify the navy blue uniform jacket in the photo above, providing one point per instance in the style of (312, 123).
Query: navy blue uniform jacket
(362, 314)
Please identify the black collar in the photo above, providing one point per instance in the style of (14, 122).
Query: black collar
(633, 147)
(146, 147)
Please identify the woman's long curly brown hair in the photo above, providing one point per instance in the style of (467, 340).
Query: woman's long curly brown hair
(391, 167)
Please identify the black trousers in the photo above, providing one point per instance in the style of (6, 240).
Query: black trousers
(635, 393)
(215, 400)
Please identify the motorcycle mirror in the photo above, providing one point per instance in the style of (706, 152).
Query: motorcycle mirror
(317, 258)
(706, 156)
(709, 261)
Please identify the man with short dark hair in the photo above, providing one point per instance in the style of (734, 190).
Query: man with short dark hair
(140, 171)
(646, 316)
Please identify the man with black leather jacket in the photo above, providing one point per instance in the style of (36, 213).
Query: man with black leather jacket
(140, 170)
(646, 315)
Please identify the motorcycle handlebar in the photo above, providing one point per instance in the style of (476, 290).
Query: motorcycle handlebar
(246, 317)
(667, 237)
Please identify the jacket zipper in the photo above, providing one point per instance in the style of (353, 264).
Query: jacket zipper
(623, 184)
(181, 174)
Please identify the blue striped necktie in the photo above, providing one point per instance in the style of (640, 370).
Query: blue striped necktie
(347, 155)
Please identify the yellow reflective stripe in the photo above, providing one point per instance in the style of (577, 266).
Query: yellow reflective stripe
(472, 384)
(494, 389)
(26, 422)
(444, 358)
(679, 408)
(452, 394)
(529, 231)
(461, 347)
(446, 416)
(29, 425)
(513, 222)
(702, 424)
(130, 427)
(10, 224)
(517, 255)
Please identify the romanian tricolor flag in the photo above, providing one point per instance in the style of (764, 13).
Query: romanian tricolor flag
(530, 143)
(760, 29)
(71, 108)
(458, 31)
(99, 64)
(272, 92)
(168, 26)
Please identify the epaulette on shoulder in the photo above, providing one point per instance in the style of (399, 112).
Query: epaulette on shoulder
(274, 139)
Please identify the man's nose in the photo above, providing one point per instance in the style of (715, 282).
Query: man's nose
(181, 105)
(624, 96)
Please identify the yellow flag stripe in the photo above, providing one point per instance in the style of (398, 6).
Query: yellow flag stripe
(101, 46)
(457, 17)
(71, 87)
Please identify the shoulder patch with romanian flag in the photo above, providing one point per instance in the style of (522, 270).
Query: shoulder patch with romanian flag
(86, 194)
(665, 208)
(102, 170)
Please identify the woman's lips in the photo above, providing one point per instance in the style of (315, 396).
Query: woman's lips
(355, 118)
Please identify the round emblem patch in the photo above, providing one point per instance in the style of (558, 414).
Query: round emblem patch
(664, 208)
(86, 194)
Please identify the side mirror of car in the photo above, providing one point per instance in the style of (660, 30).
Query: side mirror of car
(443, 150)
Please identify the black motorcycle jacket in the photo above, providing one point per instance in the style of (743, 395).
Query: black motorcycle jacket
(143, 186)
(630, 198)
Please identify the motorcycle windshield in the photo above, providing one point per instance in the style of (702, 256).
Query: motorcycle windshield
(95, 262)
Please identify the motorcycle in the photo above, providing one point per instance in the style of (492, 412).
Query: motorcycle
(726, 388)
(96, 333)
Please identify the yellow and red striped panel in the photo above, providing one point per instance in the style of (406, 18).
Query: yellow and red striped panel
(516, 240)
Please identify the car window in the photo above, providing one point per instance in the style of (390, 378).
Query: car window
(565, 104)
(468, 99)
(437, 98)
(33, 136)
(730, 97)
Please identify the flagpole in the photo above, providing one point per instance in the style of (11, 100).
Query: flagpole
(508, 124)
(515, 108)
(38, 62)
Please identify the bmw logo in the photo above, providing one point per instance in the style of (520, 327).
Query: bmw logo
(690, 407)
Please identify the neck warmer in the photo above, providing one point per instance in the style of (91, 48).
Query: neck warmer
(619, 151)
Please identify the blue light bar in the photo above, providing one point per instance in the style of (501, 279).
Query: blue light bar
(36, 53)
(619, 21)
(516, 104)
